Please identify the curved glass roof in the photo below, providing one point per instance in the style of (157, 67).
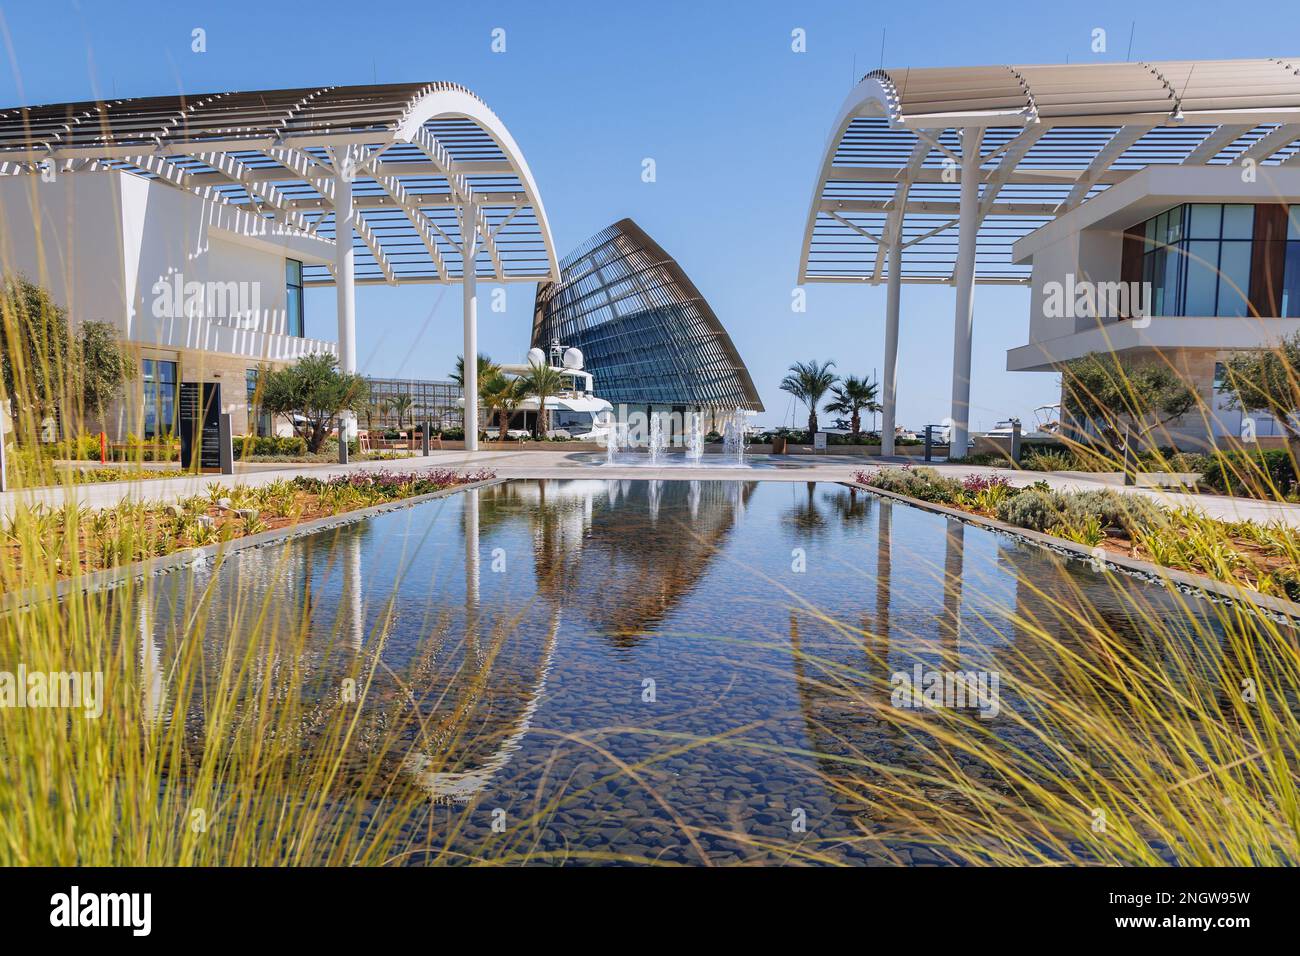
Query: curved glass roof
(645, 331)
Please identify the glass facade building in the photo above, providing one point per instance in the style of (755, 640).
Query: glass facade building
(646, 333)
(434, 402)
(1214, 259)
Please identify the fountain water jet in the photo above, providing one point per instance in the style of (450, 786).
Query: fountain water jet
(695, 438)
(656, 438)
(734, 437)
(612, 443)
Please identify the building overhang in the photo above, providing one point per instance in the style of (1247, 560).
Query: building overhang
(1165, 334)
(1151, 191)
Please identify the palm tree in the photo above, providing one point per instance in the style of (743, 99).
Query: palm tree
(486, 369)
(399, 405)
(542, 382)
(809, 382)
(503, 394)
(853, 396)
(368, 407)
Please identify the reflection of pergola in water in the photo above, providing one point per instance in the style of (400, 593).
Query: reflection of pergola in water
(421, 178)
(930, 175)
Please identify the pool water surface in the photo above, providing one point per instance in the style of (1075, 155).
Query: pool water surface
(674, 671)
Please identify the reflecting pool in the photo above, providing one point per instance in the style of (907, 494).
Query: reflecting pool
(675, 671)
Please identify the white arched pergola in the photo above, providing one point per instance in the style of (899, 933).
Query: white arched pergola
(930, 175)
(422, 181)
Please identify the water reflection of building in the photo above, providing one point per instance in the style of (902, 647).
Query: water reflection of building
(622, 554)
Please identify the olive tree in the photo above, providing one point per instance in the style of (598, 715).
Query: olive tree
(102, 366)
(33, 350)
(311, 393)
(1268, 381)
(1114, 393)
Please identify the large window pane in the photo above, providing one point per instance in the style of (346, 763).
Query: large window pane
(1238, 221)
(159, 388)
(1173, 266)
(1202, 277)
(295, 320)
(1293, 222)
(1176, 223)
(1204, 221)
(1234, 278)
(1291, 282)
(293, 308)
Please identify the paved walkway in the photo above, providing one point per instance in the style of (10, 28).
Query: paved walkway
(564, 464)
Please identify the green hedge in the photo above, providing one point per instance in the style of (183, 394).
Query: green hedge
(250, 445)
(1256, 474)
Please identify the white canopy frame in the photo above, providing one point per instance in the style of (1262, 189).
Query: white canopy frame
(931, 175)
(423, 180)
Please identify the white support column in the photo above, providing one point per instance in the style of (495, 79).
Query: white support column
(967, 229)
(469, 288)
(345, 271)
(889, 393)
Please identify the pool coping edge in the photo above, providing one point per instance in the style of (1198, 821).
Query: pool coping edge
(1197, 582)
(163, 564)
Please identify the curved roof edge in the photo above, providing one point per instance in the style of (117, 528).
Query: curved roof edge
(423, 156)
(1050, 137)
(690, 294)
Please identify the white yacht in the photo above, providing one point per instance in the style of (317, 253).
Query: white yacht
(575, 412)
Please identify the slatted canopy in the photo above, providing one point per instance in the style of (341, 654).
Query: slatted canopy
(1049, 138)
(430, 166)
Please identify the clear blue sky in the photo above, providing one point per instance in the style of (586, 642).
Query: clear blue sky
(735, 121)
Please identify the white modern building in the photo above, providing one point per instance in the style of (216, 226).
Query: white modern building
(1184, 265)
(195, 223)
(1178, 177)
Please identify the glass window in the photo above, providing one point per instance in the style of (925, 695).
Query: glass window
(1204, 269)
(1174, 230)
(1238, 221)
(1202, 276)
(1205, 219)
(1234, 278)
(295, 319)
(1291, 281)
(159, 383)
(259, 422)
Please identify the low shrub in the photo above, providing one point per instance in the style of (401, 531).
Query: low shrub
(1129, 513)
(1031, 508)
(1256, 474)
(248, 446)
(985, 458)
(1039, 460)
(923, 483)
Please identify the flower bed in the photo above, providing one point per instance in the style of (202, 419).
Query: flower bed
(74, 539)
(1264, 558)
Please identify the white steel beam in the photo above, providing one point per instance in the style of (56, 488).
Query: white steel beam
(963, 320)
(469, 293)
(1270, 143)
(345, 278)
(889, 393)
(1124, 137)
